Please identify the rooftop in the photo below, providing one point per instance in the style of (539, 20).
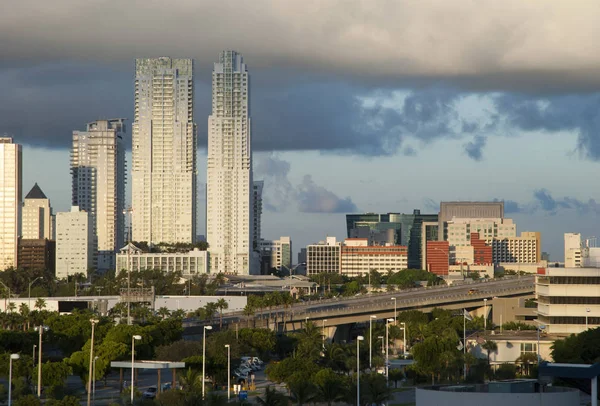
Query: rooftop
(35, 193)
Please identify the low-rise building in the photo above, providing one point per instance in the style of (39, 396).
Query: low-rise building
(276, 254)
(323, 257)
(568, 299)
(359, 258)
(192, 262)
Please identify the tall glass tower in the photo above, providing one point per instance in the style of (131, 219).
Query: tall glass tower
(229, 175)
(164, 144)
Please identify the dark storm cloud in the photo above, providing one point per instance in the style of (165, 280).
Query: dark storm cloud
(474, 149)
(313, 198)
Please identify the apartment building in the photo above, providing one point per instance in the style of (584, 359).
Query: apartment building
(37, 254)
(194, 262)
(526, 249)
(75, 243)
(323, 257)
(36, 215)
(11, 173)
(359, 258)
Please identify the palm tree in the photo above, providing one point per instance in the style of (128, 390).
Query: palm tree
(310, 341)
(271, 398)
(24, 311)
(526, 359)
(11, 307)
(40, 304)
(302, 391)
(330, 387)
(221, 305)
(375, 389)
(490, 346)
(163, 312)
(191, 380)
(248, 311)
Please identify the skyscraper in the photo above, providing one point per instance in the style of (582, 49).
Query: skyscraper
(229, 176)
(10, 200)
(257, 215)
(75, 243)
(164, 151)
(36, 215)
(98, 174)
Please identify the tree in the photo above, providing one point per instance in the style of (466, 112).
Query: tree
(301, 388)
(40, 304)
(29, 400)
(53, 373)
(221, 305)
(210, 309)
(11, 307)
(248, 312)
(490, 346)
(163, 312)
(330, 386)
(271, 398)
(191, 380)
(310, 341)
(506, 371)
(526, 359)
(374, 388)
(395, 375)
(24, 312)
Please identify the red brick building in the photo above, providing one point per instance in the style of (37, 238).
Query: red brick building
(437, 257)
(482, 253)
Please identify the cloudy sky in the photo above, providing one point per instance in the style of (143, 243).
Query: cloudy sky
(372, 105)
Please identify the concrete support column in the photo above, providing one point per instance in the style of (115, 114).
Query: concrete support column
(595, 391)
(158, 385)
(120, 379)
(173, 380)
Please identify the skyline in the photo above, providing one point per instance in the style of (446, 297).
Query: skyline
(350, 114)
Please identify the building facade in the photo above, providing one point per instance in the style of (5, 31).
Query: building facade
(323, 257)
(164, 144)
(438, 257)
(37, 254)
(190, 263)
(98, 179)
(572, 250)
(276, 254)
(10, 201)
(526, 249)
(36, 215)
(229, 183)
(568, 299)
(466, 210)
(75, 243)
(359, 258)
(257, 217)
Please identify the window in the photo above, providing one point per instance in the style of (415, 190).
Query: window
(528, 348)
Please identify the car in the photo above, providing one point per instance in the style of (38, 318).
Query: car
(150, 393)
(471, 291)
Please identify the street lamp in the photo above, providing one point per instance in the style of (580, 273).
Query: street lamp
(33, 358)
(89, 385)
(94, 381)
(382, 349)
(358, 340)
(228, 371)
(10, 362)
(484, 314)
(29, 296)
(395, 318)
(40, 330)
(387, 348)
(204, 356)
(404, 331)
(371, 340)
(587, 312)
(323, 332)
(133, 338)
(540, 327)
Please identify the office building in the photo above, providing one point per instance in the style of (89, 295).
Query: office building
(466, 210)
(98, 178)
(302, 256)
(572, 250)
(10, 201)
(526, 249)
(189, 263)
(276, 254)
(359, 258)
(257, 207)
(568, 299)
(75, 243)
(164, 144)
(229, 183)
(36, 215)
(323, 257)
(403, 229)
(37, 254)
(438, 257)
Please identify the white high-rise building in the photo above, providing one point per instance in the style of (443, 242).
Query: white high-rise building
(98, 173)
(572, 250)
(257, 217)
(229, 176)
(75, 243)
(36, 221)
(10, 200)
(164, 152)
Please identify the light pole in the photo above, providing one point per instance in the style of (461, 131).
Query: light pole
(94, 381)
(29, 290)
(305, 321)
(484, 315)
(358, 340)
(404, 331)
(33, 357)
(133, 338)
(204, 356)
(12, 357)
(40, 330)
(228, 372)
(587, 312)
(323, 332)
(371, 340)
(90, 369)
(395, 313)
(382, 349)
(540, 327)
(387, 349)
